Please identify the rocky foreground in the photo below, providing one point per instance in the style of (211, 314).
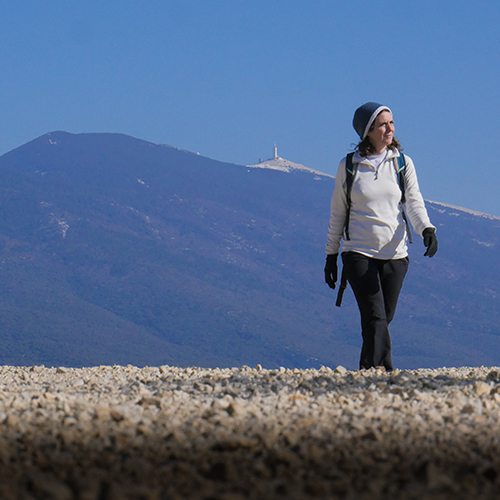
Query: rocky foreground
(109, 433)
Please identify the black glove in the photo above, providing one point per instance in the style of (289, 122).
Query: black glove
(331, 270)
(430, 241)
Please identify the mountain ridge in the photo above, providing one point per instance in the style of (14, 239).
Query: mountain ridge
(115, 250)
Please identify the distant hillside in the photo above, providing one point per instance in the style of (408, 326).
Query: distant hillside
(116, 250)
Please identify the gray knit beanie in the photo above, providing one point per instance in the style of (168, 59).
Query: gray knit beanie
(365, 115)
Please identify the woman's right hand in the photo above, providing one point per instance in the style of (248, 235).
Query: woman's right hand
(331, 270)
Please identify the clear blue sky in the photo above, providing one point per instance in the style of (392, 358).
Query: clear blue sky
(227, 78)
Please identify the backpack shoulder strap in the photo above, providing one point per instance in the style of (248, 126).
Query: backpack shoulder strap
(401, 174)
(350, 172)
(348, 164)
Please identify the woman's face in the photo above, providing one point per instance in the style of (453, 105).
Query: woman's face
(382, 132)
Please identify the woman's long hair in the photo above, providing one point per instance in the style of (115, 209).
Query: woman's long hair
(365, 147)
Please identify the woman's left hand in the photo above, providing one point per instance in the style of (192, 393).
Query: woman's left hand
(430, 241)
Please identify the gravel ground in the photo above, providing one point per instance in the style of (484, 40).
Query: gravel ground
(121, 432)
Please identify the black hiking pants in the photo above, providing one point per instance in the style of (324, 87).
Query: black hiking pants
(376, 285)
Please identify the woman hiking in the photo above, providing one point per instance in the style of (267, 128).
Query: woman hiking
(368, 224)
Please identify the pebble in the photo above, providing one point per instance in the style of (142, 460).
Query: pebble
(109, 432)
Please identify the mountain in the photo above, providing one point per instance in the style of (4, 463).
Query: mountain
(117, 250)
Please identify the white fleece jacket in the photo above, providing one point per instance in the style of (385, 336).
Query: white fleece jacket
(376, 225)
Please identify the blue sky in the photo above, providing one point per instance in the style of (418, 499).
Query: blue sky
(228, 78)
